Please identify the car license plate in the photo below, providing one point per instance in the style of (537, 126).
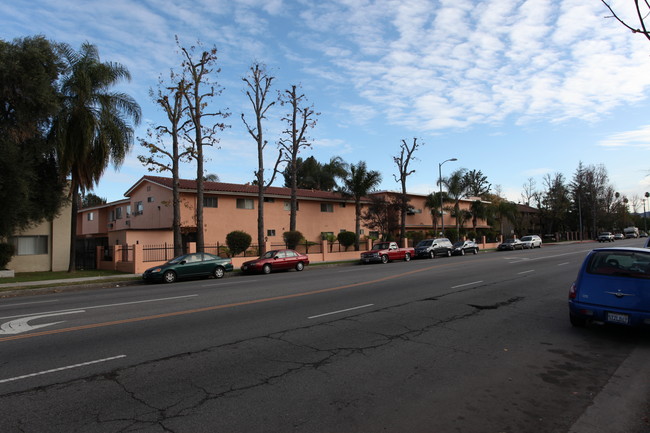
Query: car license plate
(618, 318)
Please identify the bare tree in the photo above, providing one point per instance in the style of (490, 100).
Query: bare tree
(258, 84)
(199, 73)
(298, 120)
(402, 161)
(170, 99)
(530, 191)
(641, 11)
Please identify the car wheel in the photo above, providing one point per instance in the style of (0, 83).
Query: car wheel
(448, 253)
(384, 258)
(475, 251)
(169, 276)
(266, 269)
(300, 266)
(576, 321)
(219, 272)
(432, 254)
(462, 252)
(407, 257)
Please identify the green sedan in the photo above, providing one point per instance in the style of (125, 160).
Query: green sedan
(189, 266)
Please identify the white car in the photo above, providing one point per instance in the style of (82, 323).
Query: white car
(531, 241)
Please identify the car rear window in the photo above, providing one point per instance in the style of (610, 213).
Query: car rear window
(630, 264)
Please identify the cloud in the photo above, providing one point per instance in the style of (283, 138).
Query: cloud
(639, 138)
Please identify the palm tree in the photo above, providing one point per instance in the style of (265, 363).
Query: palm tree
(456, 188)
(478, 209)
(357, 183)
(433, 203)
(92, 129)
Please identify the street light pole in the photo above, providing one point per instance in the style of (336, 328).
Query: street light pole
(442, 213)
(645, 218)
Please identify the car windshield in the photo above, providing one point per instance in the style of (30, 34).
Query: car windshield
(459, 244)
(425, 243)
(381, 246)
(269, 254)
(631, 264)
(178, 259)
(510, 241)
(527, 238)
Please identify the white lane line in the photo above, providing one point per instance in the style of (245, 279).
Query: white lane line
(467, 284)
(525, 272)
(562, 264)
(28, 303)
(228, 283)
(341, 311)
(54, 370)
(105, 306)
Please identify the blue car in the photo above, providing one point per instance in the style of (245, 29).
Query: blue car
(613, 286)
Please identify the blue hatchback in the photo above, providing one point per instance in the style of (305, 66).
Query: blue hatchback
(613, 286)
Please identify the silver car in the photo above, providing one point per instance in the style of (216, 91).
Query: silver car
(531, 241)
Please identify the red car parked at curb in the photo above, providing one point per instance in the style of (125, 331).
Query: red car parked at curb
(275, 260)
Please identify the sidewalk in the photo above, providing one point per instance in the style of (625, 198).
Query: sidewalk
(63, 281)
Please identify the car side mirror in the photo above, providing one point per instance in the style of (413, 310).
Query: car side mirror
(183, 262)
(275, 257)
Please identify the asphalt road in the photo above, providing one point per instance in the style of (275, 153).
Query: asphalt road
(463, 344)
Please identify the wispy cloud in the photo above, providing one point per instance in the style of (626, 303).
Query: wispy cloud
(639, 138)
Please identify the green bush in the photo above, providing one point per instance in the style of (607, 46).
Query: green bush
(292, 239)
(417, 236)
(238, 241)
(347, 239)
(6, 253)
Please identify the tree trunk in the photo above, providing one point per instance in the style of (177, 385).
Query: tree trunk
(72, 264)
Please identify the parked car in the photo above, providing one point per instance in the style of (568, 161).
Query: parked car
(612, 287)
(460, 248)
(430, 248)
(531, 241)
(276, 260)
(643, 235)
(618, 236)
(189, 266)
(606, 237)
(385, 252)
(510, 244)
(647, 243)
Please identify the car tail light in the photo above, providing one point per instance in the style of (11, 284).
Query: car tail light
(573, 292)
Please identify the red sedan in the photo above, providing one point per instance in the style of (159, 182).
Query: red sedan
(276, 260)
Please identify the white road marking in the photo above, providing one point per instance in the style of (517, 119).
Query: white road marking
(228, 283)
(562, 264)
(467, 284)
(525, 272)
(19, 326)
(107, 305)
(54, 370)
(341, 311)
(29, 303)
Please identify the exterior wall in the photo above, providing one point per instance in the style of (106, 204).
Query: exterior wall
(58, 251)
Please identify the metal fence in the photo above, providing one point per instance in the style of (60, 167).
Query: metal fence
(157, 253)
(127, 252)
(222, 250)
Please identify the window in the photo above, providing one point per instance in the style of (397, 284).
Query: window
(139, 208)
(287, 205)
(210, 202)
(118, 213)
(270, 232)
(342, 230)
(269, 200)
(342, 204)
(245, 203)
(151, 199)
(90, 216)
(360, 232)
(326, 207)
(30, 245)
(128, 210)
(111, 215)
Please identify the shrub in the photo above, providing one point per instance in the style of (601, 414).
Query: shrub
(347, 239)
(238, 241)
(292, 239)
(417, 236)
(6, 253)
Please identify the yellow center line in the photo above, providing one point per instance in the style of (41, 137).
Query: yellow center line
(215, 307)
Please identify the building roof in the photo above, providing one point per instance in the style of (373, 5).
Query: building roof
(187, 185)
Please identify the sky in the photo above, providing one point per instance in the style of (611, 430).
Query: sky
(516, 89)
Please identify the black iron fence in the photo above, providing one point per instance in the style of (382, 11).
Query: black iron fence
(157, 253)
